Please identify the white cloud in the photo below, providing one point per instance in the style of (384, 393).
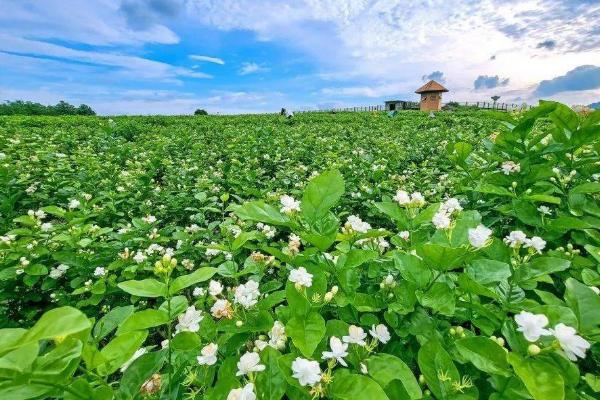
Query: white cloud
(214, 60)
(252, 68)
(134, 66)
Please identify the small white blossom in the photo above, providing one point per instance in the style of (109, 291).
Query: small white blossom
(189, 321)
(247, 295)
(441, 220)
(100, 271)
(301, 277)
(306, 371)
(572, 344)
(198, 292)
(478, 237)
(249, 363)
(139, 257)
(532, 325)
(222, 309)
(515, 238)
(381, 333)
(354, 223)
(208, 354)
(451, 205)
(215, 288)
(245, 393)
(536, 243)
(277, 336)
(508, 167)
(402, 197)
(289, 204)
(338, 351)
(149, 219)
(404, 235)
(74, 203)
(356, 335)
(545, 210)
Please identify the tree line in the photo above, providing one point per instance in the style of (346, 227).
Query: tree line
(20, 107)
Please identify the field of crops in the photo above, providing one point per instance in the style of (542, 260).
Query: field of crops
(350, 256)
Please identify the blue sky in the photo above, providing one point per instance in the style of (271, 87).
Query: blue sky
(230, 56)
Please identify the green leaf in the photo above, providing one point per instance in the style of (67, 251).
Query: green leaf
(394, 211)
(587, 188)
(434, 360)
(440, 298)
(493, 189)
(347, 386)
(271, 383)
(486, 271)
(140, 371)
(143, 320)
(357, 257)
(144, 288)
(200, 275)
(487, 355)
(542, 379)
(57, 323)
(119, 350)
(321, 194)
(441, 258)
(585, 303)
(111, 320)
(306, 332)
(542, 266)
(385, 368)
(262, 212)
(593, 381)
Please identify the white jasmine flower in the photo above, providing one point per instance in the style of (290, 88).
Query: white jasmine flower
(532, 325)
(301, 277)
(215, 288)
(149, 219)
(509, 167)
(417, 199)
(404, 235)
(451, 205)
(338, 351)
(23, 261)
(208, 354)
(441, 220)
(402, 197)
(277, 336)
(74, 203)
(19, 271)
(247, 295)
(138, 353)
(46, 226)
(356, 335)
(260, 344)
(536, 243)
(478, 237)
(198, 292)
(357, 225)
(245, 393)
(189, 321)
(222, 309)
(306, 371)
(545, 210)
(573, 345)
(139, 257)
(289, 204)
(100, 271)
(40, 214)
(249, 362)
(515, 238)
(381, 333)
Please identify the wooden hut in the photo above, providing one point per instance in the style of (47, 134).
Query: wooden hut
(431, 96)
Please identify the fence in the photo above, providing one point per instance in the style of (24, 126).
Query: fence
(411, 105)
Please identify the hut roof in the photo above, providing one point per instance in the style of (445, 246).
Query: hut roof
(431, 86)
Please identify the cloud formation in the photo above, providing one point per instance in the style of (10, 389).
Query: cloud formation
(214, 60)
(584, 77)
(252, 68)
(435, 75)
(546, 44)
(489, 82)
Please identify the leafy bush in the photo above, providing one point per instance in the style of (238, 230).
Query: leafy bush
(20, 107)
(200, 111)
(488, 294)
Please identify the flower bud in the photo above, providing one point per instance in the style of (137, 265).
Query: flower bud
(460, 330)
(328, 297)
(514, 184)
(334, 290)
(500, 341)
(239, 323)
(422, 379)
(533, 350)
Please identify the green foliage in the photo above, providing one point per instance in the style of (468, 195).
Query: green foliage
(20, 107)
(159, 259)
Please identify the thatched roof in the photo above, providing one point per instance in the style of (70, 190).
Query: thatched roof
(431, 86)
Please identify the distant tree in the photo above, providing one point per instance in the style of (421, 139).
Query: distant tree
(495, 98)
(20, 107)
(200, 111)
(84, 109)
